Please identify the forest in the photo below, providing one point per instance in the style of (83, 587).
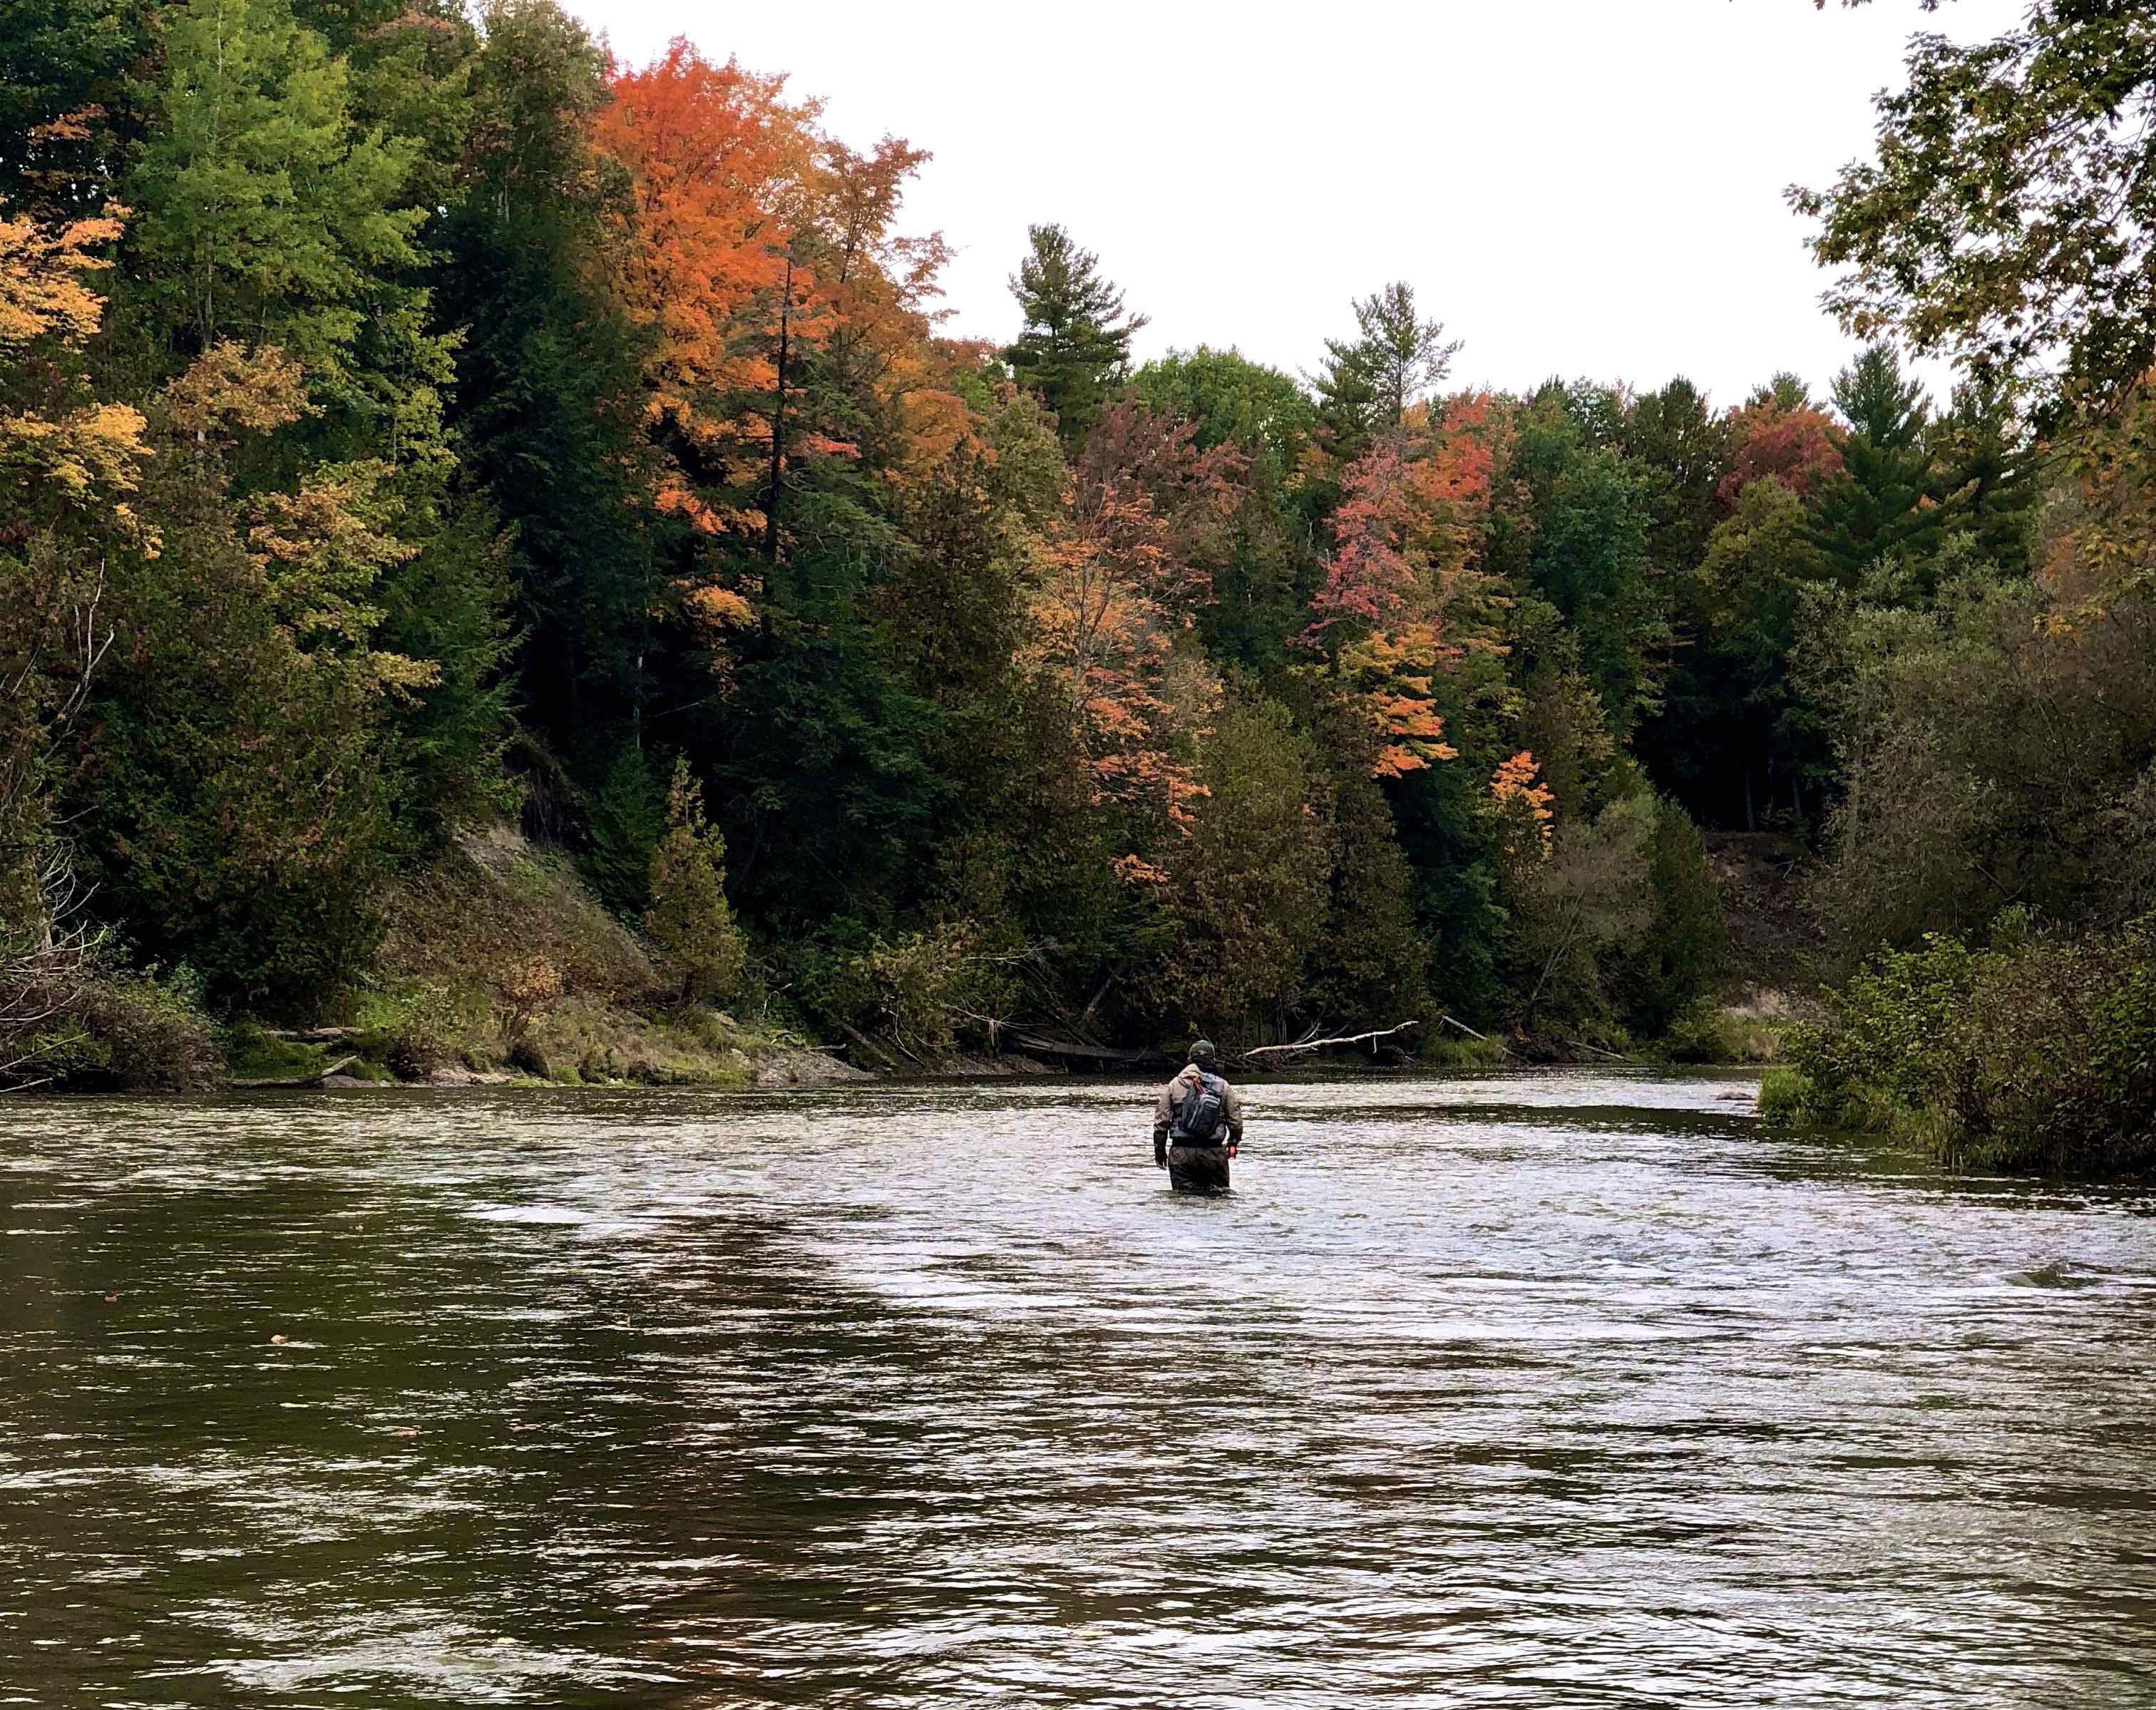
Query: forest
(457, 483)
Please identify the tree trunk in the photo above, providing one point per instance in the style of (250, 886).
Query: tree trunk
(779, 424)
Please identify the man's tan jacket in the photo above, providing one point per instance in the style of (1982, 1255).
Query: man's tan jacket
(1172, 1097)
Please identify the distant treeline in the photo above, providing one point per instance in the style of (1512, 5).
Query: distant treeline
(413, 418)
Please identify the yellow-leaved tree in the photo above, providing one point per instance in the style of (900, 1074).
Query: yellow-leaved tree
(68, 464)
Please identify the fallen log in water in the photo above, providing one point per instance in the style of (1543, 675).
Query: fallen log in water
(1078, 1051)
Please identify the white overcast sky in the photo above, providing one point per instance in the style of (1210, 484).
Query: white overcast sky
(1582, 188)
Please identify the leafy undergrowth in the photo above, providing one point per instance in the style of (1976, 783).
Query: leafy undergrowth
(1753, 1031)
(252, 1052)
(113, 1029)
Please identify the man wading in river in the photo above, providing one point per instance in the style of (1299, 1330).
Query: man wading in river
(1198, 1125)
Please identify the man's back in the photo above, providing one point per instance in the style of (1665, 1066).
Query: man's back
(1192, 1149)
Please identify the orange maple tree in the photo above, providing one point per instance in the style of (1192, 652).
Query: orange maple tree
(1120, 575)
(1526, 807)
(718, 156)
(760, 251)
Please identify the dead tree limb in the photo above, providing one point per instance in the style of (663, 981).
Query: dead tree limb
(1314, 1045)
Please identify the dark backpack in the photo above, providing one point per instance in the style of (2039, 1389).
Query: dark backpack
(1204, 1109)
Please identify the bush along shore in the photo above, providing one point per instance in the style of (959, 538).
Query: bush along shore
(2034, 1053)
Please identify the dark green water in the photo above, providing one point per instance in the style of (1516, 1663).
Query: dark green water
(1537, 1391)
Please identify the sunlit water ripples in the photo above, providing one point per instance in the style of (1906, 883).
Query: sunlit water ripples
(1550, 1389)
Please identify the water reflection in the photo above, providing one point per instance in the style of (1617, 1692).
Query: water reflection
(1539, 1390)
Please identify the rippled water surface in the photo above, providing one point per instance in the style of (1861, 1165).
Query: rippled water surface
(1529, 1390)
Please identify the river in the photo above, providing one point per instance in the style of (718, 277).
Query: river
(1546, 1389)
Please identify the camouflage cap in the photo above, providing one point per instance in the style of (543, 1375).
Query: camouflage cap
(1202, 1052)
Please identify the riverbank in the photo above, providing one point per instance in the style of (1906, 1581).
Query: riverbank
(499, 965)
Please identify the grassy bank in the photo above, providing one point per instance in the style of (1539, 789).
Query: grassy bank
(498, 965)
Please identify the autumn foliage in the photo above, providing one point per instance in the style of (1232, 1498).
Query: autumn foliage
(486, 426)
(1797, 448)
(1525, 805)
(1122, 571)
(1403, 591)
(719, 160)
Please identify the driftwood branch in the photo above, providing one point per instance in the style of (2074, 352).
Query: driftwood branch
(1349, 1039)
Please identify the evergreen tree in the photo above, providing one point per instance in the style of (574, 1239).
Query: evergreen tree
(234, 811)
(701, 951)
(1881, 506)
(1783, 391)
(1986, 471)
(1076, 339)
(448, 605)
(628, 820)
(1673, 965)
(548, 392)
(1683, 449)
(1368, 382)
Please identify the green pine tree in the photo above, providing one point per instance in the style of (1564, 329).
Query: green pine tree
(1368, 382)
(1879, 507)
(1987, 476)
(1077, 342)
(628, 820)
(701, 950)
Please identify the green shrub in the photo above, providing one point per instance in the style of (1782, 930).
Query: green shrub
(418, 1026)
(1785, 1095)
(252, 1052)
(916, 993)
(1700, 1033)
(2033, 1054)
(143, 1033)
